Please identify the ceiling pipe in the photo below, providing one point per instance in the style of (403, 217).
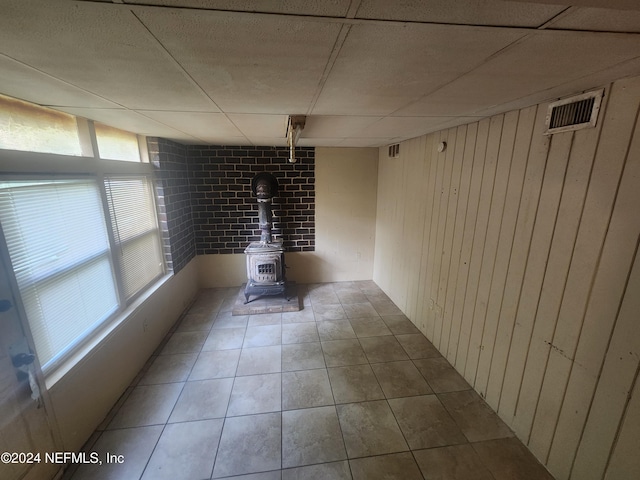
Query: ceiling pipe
(294, 129)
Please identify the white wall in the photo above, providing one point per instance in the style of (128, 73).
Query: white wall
(346, 188)
(516, 254)
(82, 398)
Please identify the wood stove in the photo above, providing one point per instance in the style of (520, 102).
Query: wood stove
(265, 259)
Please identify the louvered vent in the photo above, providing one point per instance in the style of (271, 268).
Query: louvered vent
(574, 113)
(394, 150)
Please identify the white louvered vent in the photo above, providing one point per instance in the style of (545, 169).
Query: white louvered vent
(394, 150)
(574, 113)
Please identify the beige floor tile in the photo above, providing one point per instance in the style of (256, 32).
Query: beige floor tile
(184, 342)
(305, 389)
(265, 319)
(400, 379)
(440, 375)
(227, 320)
(369, 428)
(169, 369)
(400, 466)
(224, 339)
(474, 417)
(399, 324)
(136, 444)
(328, 312)
(185, 450)
(360, 310)
(302, 356)
(417, 346)
(324, 471)
(339, 353)
(300, 333)
(256, 394)
(216, 364)
(355, 383)
(257, 360)
(249, 444)
(458, 462)
(310, 436)
(263, 336)
(425, 423)
(383, 349)
(335, 330)
(147, 405)
(508, 458)
(383, 305)
(347, 297)
(369, 327)
(302, 316)
(196, 322)
(202, 399)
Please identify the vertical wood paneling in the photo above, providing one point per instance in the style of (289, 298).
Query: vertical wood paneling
(467, 241)
(537, 159)
(494, 222)
(480, 234)
(450, 256)
(458, 234)
(525, 124)
(625, 461)
(513, 252)
(568, 399)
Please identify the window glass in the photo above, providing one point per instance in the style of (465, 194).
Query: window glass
(57, 240)
(28, 127)
(114, 144)
(134, 221)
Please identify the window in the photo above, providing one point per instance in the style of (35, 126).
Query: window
(138, 251)
(58, 244)
(28, 127)
(115, 144)
(83, 247)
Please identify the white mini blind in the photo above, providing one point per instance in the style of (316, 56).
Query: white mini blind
(57, 240)
(134, 222)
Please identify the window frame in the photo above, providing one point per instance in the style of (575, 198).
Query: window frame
(15, 164)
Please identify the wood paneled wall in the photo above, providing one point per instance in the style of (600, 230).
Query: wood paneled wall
(516, 254)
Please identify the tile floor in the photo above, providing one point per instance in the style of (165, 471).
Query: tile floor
(345, 388)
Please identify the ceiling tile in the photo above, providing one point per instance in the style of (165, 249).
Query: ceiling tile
(468, 12)
(260, 125)
(382, 68)
(331, 8)
(247, 63)
(544, 60)
(600, 19)
(324, 126)
(100, 48)
(199, 124)
(129, 121)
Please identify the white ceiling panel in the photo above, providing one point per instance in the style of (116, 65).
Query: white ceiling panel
(199, 124)
(331, 8)
(544, 60)
(468, 12)
(366, 142)
(335, 126)
(382, 68)
(129, 121)
(247, 63)
(401, 127)
(26, 83)
(260, 125)
(98, 48)
(599, 19)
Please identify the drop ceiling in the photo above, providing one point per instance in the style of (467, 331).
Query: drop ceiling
(365, 72)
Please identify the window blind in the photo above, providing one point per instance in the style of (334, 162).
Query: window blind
(58, 245)
(133, 219)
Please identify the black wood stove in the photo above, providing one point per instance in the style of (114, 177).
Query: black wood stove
(265, 259)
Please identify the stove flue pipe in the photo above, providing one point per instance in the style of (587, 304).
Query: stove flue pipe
(265, 187)
(294, 129)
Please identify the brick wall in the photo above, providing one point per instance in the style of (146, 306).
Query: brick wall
(172, 183)
(225, 212)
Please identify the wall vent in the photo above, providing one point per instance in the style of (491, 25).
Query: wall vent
(394, 150)
(574, 113)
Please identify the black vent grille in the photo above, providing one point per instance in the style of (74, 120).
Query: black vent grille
(580, 111)
(574, 113)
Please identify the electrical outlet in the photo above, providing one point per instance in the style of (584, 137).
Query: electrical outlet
(145, 325)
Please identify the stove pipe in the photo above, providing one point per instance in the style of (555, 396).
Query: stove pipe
(265, 187)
